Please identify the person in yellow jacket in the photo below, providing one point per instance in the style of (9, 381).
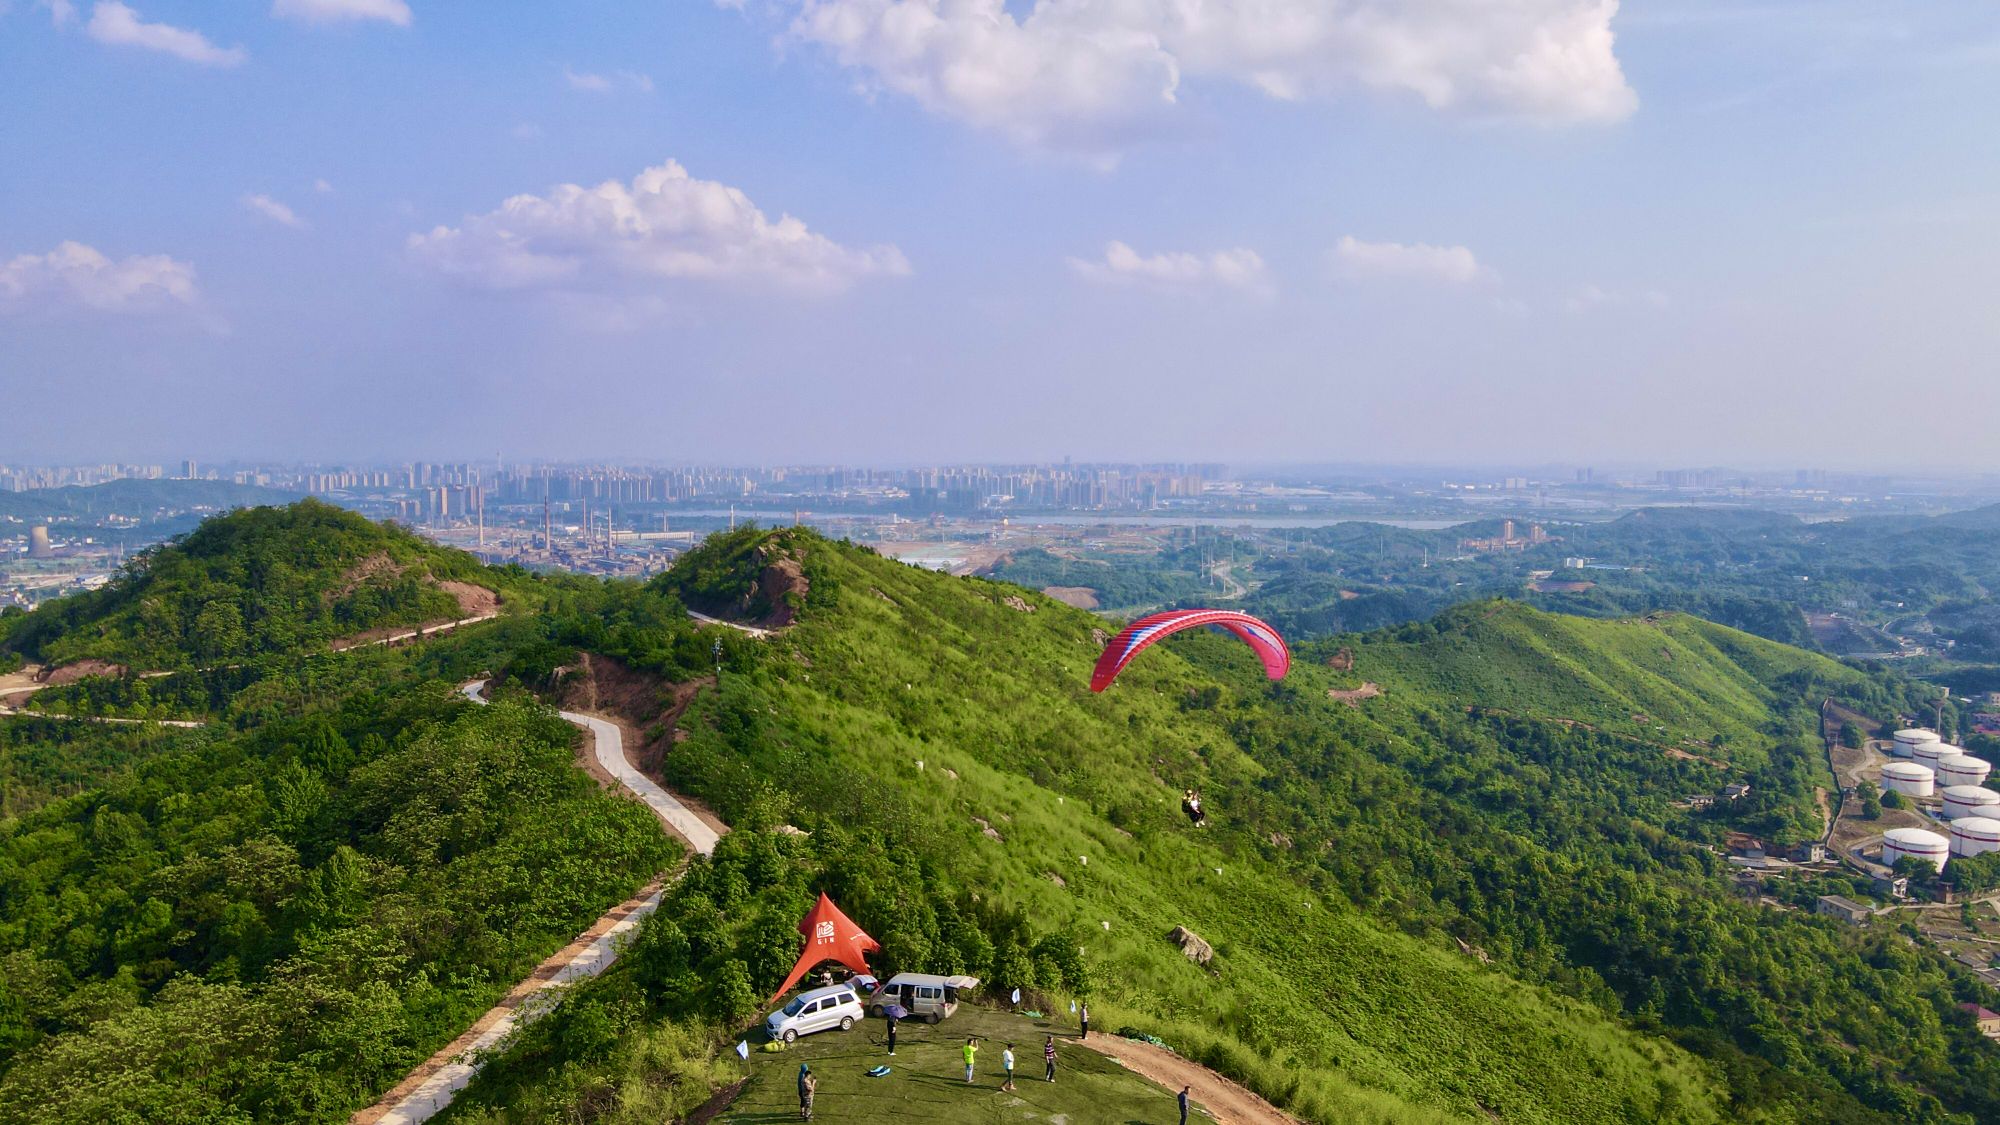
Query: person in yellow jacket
(971, 1055)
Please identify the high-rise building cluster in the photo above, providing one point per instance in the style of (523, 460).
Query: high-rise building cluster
(25, 478)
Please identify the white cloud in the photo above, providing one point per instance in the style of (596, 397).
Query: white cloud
(1593, 297)
(342, 11)
(322, 187)
(1239, 268)
(74, 275)
(626, 239)
(1453, 265)
(61, 12)
(114, 23)
(1089, 75)
(273, 210)
(606, 83)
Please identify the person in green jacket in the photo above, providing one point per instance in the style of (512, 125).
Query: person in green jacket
(971, 1054)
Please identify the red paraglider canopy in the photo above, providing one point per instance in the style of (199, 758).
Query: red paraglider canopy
(1138, 636)
(830, 936)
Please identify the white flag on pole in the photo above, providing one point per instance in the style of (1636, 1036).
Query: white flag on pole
(1072, 1007)
(1017, 996)
(743, 1050)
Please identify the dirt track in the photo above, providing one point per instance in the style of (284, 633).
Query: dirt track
(1228, 1102)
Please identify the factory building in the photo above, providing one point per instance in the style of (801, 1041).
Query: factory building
(38, 542)
(1908, 778)
(1915, 843)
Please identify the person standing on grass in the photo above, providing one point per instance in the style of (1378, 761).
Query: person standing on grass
(1007, 1063)
(971, 1055)
(1184, 1103)
(808, 1084)
(1085, 1022)
(892, 1035)
(1049, 1060)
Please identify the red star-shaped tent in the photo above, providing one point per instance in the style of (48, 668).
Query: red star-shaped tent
(830, 936)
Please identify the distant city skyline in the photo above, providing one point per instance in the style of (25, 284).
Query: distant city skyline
(1678, 233)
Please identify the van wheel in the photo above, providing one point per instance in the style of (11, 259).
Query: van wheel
(932, 1018)
(847, 1023)
(790, 1035)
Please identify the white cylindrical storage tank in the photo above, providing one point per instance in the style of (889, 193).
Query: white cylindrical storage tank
(1930, 753)
(1907, 741)
(1968, 800)
(1908, 778)
(1914, 843)
(1960, 769)
(1975, 835)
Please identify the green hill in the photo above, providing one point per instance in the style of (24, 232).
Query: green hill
(972, 804)
(1471, 897)
(256, 582)
(1665, 672)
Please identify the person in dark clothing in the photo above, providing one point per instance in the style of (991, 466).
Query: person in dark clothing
(807, 1086)
(1085, 1021)
(1184, 1103)
(892, 1036)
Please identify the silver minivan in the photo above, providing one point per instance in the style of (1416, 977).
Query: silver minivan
(924, 997)
(815, 1009)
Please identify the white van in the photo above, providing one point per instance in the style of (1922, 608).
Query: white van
(815, 1010)
(925, 997)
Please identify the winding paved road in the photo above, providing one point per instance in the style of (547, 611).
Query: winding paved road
(432, 1086)
(752, 630)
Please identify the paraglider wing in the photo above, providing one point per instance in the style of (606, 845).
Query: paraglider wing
(1143, 633)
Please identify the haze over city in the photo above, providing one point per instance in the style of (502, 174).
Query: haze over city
(806, 230)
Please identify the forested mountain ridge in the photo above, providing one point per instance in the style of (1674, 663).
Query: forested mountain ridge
(1424, 907)
(257, 582)
(275, 924)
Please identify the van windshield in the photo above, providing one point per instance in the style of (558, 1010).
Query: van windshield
(792, 1009)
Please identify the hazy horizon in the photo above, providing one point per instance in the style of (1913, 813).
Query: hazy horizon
(793, 231)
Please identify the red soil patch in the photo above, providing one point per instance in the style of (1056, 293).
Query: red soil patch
(473, 601)
(78, 670)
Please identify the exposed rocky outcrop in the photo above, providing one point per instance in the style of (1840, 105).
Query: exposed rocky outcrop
(782, 585)
(1192, 947)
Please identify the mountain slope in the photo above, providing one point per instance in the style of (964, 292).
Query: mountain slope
(1423, 908)
(972, 804)
(1639, 676)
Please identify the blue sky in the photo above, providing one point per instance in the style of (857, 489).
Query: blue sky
(1316, 230)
